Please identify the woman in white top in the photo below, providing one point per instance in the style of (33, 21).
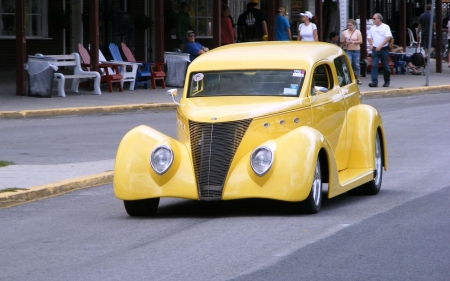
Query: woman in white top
(307, 31)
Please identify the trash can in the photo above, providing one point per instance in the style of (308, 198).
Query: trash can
(363, 67)
(40, 76)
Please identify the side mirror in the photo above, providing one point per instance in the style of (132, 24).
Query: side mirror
(173, 93)
(320, 89)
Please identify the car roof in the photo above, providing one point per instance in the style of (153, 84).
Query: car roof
(266, 55)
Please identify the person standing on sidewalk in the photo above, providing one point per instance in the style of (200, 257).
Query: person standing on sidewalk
(227, 36)
(255, 23)
(379, 36)
(307, 30)
(282, 26)
(424, 30)
(351, 40)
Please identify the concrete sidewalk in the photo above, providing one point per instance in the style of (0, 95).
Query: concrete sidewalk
(41, 181)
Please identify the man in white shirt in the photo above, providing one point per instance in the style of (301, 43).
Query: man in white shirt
(379, 36)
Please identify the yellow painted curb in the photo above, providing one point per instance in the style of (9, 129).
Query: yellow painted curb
(9, 199)
(84, 110)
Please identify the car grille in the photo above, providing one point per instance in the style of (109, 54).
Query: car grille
(213, 147)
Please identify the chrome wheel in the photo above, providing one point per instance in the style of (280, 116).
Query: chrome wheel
(316, 188)
(373, 187)
(378, 161)
(313, 202)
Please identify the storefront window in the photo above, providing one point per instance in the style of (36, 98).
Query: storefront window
(35, 18)
(201, 17)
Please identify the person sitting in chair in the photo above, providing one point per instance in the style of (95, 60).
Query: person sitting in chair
(193, 48)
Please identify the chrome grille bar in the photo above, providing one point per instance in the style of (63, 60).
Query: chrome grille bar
(213, 147)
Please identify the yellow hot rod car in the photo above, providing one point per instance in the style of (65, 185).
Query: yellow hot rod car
(269, 120)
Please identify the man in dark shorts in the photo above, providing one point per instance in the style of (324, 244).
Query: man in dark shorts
(424, 30)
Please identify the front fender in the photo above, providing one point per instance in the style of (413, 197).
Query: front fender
(134, 177)
(291, 175)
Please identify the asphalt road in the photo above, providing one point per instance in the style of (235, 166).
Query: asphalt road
(73, 139)
(400, 234)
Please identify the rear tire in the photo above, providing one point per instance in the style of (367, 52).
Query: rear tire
(312, 204)
(141, 208)
(373, 187)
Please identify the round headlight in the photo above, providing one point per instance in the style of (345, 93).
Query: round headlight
(161, 158)
(261, 160)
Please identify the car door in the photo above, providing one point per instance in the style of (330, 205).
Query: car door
(351, 94)
(328, 105)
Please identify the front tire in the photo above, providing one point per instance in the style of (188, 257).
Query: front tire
(312, 204)
(141, 208)
(373, 187)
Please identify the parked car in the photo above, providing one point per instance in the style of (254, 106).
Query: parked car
(269, 120)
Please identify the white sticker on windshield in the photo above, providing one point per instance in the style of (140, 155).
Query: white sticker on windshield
(197, 77)
(291, 92)
(298, 73)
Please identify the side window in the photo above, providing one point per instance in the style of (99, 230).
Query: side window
(343, 71)
(323, 76)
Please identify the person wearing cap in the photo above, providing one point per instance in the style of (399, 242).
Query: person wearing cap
(282, 26)
(307, 31)
(255, 27)
(193, 48)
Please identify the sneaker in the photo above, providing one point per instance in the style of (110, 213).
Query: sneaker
(358, 82)
(373, 85)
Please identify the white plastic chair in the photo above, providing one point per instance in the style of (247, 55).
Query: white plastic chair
(412, 40)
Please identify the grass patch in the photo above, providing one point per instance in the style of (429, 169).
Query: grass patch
(5, 163)
(12, 189)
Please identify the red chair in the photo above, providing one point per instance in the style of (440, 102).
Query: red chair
(110, 72)
(156, 71)
(380, 65)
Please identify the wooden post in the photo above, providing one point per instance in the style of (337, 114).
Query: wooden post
(438, 49)
(159, 30)
(363, 27)
(402, 26)
(94, 33)
(21, 48)
(318, 15)
(217, 28)
(272, 7)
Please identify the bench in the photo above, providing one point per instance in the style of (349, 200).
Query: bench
(73, 61)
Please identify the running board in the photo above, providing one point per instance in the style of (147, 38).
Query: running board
(349, 179)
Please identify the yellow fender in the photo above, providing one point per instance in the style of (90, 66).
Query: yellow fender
(365, 121)
(291, 175)
(134, 177)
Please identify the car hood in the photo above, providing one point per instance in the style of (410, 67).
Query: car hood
(225, 109)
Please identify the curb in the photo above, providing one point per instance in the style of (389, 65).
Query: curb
(408, 91)
(84, 110)
(170, 106)
(9, 199)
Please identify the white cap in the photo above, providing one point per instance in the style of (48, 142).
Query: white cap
(307, 13)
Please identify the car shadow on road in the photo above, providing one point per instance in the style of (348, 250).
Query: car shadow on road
(180, 208)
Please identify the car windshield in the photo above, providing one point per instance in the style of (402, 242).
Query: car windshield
(246, 83)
